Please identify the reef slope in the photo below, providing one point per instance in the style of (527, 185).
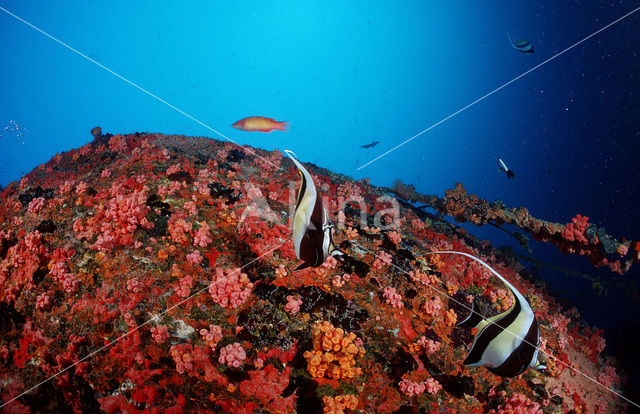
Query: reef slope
(156, 272)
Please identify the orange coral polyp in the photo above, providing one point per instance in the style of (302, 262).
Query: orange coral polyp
(333, 354)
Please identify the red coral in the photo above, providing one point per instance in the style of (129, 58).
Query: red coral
(575, 231)
(518, 404)
(145, 395)
(267, 385)
(117, 404)
(116, 222)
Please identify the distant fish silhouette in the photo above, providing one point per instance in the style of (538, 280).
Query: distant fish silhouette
(504, 168)
(523, 46)
(373, 144)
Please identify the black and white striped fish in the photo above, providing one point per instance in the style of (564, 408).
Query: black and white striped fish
(312, 229)
(507, 343)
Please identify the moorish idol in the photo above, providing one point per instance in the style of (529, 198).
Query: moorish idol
(312, 229)
(523, 46)
(504, 168)
(507, 343)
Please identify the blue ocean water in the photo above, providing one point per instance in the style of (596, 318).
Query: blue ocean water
(345, 74)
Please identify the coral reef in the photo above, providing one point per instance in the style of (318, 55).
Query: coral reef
(147, 273)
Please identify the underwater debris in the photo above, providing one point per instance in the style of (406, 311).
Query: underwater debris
(130, 266)
(576, 237)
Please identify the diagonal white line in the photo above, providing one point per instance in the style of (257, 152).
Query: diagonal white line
(497, 89)
(138, 327)
(135, 85)
(464, 305)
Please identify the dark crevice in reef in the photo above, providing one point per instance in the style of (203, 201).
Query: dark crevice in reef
(48, 398)
(181, 176)
(256, 270)
(351, 265)
(159, 216)
(401, 363)
(46, 226)
(236, 375)
(408, 409)
(457, 385)
(263, 322)
(27, 196)
(235, 155)
(307, 391)
(39, 275)
(5, 245)
(218, 190)
(331, 306)
(10, 316)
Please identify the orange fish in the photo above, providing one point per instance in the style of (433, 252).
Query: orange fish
(260, 123)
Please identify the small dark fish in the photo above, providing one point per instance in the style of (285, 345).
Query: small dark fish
(506, 169)
(373, 144)
(523, 46)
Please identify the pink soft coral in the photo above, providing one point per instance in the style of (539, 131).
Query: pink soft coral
(231, 288)
(432, 386)
(212, 335)
(43, 301)
(575, 231)
(232, 355)
(179, 230)
(183, 290)
(395, 237)
(383, 259)
(202, 237)
(432, 307)
(518, 404)
(35, 205)
(60, 271)
(392, 297)
(411, 388)
(160, 333)
(195, 257)
(293, 305)
(429, 345)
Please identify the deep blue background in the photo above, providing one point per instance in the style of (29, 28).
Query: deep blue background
(348, 73)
